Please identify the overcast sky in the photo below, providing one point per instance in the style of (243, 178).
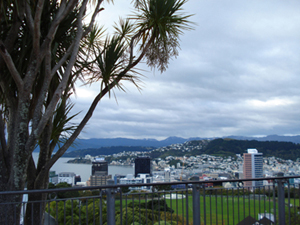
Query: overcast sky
(237, 73)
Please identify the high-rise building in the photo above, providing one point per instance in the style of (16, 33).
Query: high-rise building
(99, 175)
(99, 180)
(253, 167)
(142, 165)
(100, 167)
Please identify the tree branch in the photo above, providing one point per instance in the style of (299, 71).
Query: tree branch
(18, 16)
(131, 46)
(29, 18)
(92, 21)
(133, 64)
(45, 52)
(62, 60)
(75, 134)
(93, 106)
(2, 137)
(37, 27)
(61, 14)
(87, 31)
(36, 131)
(11, 66)
(43, 92)
(11, 132)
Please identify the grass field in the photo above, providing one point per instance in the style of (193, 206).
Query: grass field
(215, 210)
(220, 209)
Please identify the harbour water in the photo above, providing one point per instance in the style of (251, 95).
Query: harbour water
(84, 170)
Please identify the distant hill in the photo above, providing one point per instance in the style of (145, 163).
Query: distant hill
(106, 151)
(218, 147)
(231, 147)
(108, 142)
(227, 146)
(274, 137)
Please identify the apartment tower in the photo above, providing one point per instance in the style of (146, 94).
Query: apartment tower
(100, 167)
(253, 167)
(142, 165)
(99, 175)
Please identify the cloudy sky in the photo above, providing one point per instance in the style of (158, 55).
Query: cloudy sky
(237, 73)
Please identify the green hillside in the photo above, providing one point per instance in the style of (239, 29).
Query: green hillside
(219, 147)
(106, 151)
(284, 150)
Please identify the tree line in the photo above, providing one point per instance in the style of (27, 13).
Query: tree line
(231, 147)
(217, 147)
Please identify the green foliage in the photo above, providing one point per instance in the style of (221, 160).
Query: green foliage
(161, 22)
(144, 216)
(284, 150)
(163, 187)
(77, 212)
(130, 216)
(125, 189)
(293, 217)
(162, 222)
(46, 46)
(90, 210)
(158, 205)
(174, 162)
(65, 194)
(231, 147)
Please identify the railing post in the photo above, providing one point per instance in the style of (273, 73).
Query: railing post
(204, 204)
(110, 203)
(196, 203)
(281, 202)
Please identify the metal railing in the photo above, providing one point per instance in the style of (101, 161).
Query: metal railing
(190, 202)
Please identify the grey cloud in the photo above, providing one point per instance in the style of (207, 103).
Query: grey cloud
(237, 73)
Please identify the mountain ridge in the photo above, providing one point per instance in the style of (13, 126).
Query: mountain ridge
(109, 142)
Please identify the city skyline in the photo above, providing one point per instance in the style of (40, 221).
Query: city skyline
(236, 74)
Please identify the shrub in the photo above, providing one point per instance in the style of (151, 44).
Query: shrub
(162, 222)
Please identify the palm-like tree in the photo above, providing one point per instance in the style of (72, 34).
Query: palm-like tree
(44, 49)
(160, 24)
(151, 33)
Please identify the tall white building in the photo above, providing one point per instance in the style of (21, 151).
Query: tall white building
(253, 167)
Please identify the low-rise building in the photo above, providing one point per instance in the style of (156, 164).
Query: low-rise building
(140, 179)
(68, 177)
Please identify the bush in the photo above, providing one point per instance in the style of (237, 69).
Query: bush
(158, 205)
(162, 222)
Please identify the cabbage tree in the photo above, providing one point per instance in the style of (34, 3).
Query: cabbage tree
(45, 47)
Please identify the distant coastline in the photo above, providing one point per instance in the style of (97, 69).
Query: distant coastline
(80, 161)
(88, 161)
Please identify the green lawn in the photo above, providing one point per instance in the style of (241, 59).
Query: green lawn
(234, 209)
(227, 209)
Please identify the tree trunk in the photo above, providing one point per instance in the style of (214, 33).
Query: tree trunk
(35, 210)
(10, 208)
(38, 178)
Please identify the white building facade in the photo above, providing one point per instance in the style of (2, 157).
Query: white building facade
(67, 177)
(141, 179)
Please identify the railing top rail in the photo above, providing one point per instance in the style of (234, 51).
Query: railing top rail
(140, 185)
